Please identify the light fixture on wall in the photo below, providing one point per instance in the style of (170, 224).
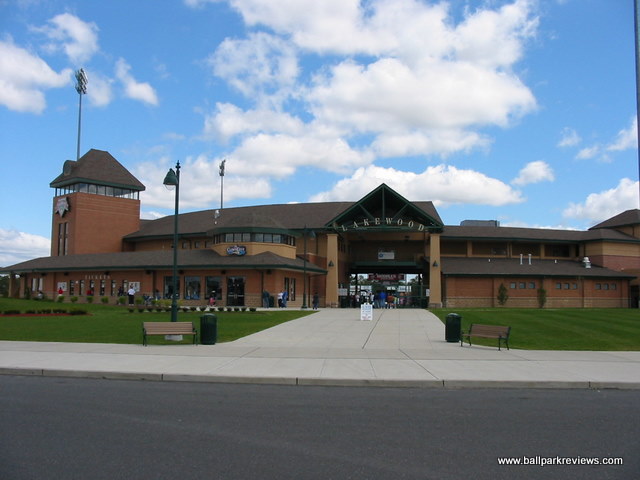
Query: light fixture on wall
(436, 264)
(331, 263)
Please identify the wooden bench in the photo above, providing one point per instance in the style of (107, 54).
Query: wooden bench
(168, 328)
(487, 331)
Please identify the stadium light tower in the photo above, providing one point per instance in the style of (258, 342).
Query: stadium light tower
(222, 182)
(81, 88)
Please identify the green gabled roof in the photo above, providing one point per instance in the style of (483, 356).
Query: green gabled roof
(99, 168)
(384, 203)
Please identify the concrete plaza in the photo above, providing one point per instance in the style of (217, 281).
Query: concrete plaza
(398, 347)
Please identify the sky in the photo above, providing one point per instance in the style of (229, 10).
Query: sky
(521, 111)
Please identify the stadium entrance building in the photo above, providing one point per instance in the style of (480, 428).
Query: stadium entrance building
(338, 252)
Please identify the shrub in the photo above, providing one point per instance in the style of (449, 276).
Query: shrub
(542, 297)
(89, 298)
(77, 311)
(73, 299)
(12, 312)
(60, 299)
(122, 300)
(252, 309)
(503, 296)
(221, 309)
(104, 300)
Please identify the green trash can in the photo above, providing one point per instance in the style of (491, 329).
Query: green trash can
(453, 327)
(208, 329)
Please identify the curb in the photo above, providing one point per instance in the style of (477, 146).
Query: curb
(326, 382)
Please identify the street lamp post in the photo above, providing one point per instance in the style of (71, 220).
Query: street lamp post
(173, 179)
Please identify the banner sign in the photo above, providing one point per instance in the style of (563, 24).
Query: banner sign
(390, 255)
(237, 250)
(386, 277)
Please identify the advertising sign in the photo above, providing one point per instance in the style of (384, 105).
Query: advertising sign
(366, 312)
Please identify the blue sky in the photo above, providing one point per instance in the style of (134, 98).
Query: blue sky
(522, 111)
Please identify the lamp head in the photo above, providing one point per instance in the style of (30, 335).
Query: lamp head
(171, 179)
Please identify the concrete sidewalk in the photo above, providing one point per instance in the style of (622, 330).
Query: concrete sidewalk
(333, 347)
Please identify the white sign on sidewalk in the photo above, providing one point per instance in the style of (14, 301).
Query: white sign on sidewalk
(366, 311)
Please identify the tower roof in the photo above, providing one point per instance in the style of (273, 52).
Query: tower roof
(97, 167)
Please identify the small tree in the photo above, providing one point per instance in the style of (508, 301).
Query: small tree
(542, 297)
(503, 296)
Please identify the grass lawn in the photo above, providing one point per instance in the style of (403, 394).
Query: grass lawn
(110, 324)
(558, 329)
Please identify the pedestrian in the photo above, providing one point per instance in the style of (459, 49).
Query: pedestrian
(131, 292)
(316, 300)
(280, 299)
(265, 299)
(285, 297)
(212, 299)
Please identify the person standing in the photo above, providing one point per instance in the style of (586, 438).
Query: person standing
(131, 293)
(316, 300)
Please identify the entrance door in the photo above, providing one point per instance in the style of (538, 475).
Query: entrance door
(235, 291)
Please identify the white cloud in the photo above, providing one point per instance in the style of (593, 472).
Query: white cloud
(627, 138)
(24, 77)
(99, 89)
(444, 141)
(19, 247)
(229, 121)
(589, 152)
(600, 206)
(534, 172)
(404, 75)
(134, 89)
(201, 175)
(279, 155)
(442, 184)
(569, 138)
(261, 63)
(76, 38)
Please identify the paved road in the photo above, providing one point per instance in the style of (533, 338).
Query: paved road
(65, 428)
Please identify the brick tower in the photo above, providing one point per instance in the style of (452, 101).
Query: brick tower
(96, 203)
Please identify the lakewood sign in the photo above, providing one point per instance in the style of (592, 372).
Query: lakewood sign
(377, 223)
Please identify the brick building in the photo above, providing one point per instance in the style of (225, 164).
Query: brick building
(101, 247)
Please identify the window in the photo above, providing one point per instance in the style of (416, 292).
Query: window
(512, 285)
(558, 285)
(614, 286)
(522, 285)
(532, 285)
(192, 288)
(168, 287)
(213, 287)
(598, 286)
